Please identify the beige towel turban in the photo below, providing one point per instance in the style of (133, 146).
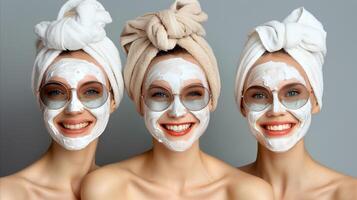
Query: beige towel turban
(143, 37)
(301, 35)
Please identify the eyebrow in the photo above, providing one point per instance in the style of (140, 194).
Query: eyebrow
(286, 82)
(56, 79)
(153, 85)
(89, 78)
(194, 83)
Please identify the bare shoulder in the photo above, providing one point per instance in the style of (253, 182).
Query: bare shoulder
(13, 187)
(101, 183)
(110, 181)
(346, 188)
(338, 185)
(242, 185)
(249, 168)
(246, 186)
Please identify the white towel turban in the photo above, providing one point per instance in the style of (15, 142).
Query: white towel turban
(301, 35)
(79, 26)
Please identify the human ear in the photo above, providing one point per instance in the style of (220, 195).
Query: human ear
(243, 110)
(315, 108)
(112, 104)
(141, 112)
(210, 105)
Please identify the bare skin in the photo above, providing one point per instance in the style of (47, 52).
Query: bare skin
(59, 172)
(294, 175)
(164, 174)
(56, 175)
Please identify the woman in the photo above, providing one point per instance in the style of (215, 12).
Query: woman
(278, 87)
(171, 75)
(77, 80)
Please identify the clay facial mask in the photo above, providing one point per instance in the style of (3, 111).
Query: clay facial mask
(272, 75)
(74, 71)
(175, 72)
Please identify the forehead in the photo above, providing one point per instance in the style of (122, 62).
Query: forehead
(282, 57)
(74, 71)
(279, 57)
(174, 70)
(81, 55)
(274, 74)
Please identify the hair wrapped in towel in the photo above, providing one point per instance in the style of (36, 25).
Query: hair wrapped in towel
(301, 35)
(143, 37)
(79, 26)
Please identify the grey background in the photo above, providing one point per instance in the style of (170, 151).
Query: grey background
(332, 137)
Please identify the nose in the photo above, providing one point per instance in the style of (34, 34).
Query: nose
(74, 106)
(277, 108)
(177, 109)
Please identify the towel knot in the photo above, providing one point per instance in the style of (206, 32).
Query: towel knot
(79, 23)
(300, 29)
(183, 19)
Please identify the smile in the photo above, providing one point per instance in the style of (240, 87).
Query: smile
(74, 129)
(75, 126)
(177, 129)
(277, 129)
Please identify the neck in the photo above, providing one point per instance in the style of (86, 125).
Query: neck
(65, 169)
(284, 169)
(178, 169)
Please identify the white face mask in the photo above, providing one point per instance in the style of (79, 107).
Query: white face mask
(73, 71)
(175, 71)
(271, 74)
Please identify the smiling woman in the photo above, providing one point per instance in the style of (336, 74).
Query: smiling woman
(75, 98)
(187, 90)
(78, 83)
(175, 85)
(275, 83)
(279, 86)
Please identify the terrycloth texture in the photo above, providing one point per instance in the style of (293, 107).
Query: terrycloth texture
(301, 35)
(143, 37)
(79, 26)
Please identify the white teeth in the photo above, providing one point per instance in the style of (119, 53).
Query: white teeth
(280, 127)
(75, 126)
(178, 128)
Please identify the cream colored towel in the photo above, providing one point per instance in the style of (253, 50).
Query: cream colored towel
(79, 26)
(143, 37)
(301, 35)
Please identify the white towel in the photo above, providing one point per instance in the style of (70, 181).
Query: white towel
(79, 26)
(301, 35)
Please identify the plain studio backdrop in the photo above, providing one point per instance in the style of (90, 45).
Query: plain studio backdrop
(332, 138)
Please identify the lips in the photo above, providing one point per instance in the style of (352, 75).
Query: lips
(74, 128)
(177, 130)
(278, 129)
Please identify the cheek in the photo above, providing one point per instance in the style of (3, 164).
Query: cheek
(58, 117)
(151, 118)
(52, 115)
(201, 115)
(304, 113)
(261, 119)
(256, 117)
(99, 113)
(97, 116)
